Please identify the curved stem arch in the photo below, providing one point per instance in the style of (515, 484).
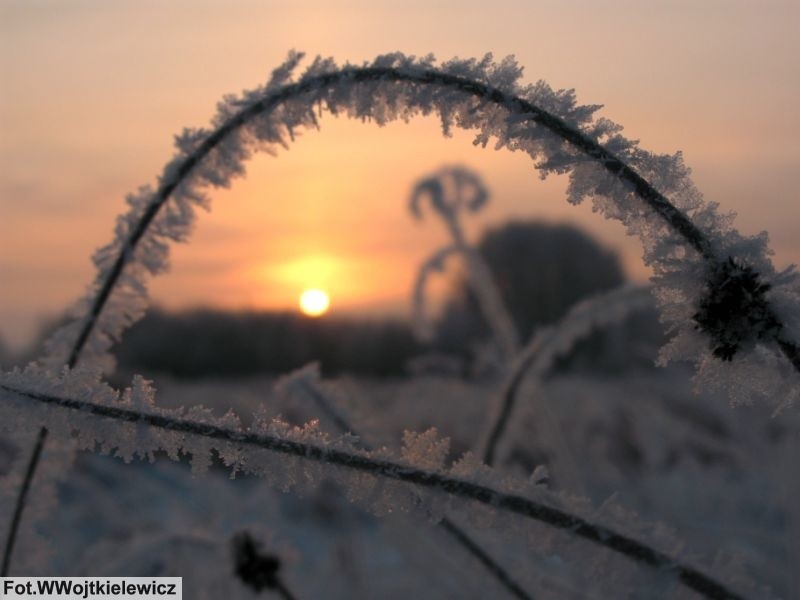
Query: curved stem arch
(484, 92)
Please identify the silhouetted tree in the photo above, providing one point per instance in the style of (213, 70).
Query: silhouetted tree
(4, 354)
(217, 343)
(540, 269)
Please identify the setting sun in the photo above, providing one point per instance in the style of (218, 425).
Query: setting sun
(314, 303)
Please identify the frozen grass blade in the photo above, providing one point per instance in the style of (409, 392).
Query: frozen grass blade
(320, 88)
(452, 529)
(488, 496)
(557, 340)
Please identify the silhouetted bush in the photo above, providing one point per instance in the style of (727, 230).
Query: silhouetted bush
(541, 270)
(5, 355)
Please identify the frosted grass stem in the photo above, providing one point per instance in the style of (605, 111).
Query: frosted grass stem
(451, 528)
(556, 340)
(512, 503)
(679, 222)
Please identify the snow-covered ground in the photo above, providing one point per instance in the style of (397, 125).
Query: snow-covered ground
(723, 479)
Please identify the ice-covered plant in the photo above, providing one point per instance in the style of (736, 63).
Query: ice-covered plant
(708, 278)
(553, 341)
(307, 382)
(298, 458)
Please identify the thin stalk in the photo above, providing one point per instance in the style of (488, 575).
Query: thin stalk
(587, 316)
(486, 293)
(490, 302)
(330, 411)
(435, 262)
(22, 496)
(283, 590)
(490, 564)
(508, 396)
(601, 535)
(451, 528)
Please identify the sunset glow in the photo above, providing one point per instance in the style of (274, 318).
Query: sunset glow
(314, 303)
(332, 212)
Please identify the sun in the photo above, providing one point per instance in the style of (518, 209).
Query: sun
(314, 302)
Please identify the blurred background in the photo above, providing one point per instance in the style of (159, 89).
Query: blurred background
(92, 92)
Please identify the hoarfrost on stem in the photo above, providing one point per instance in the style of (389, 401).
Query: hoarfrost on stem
(553, 341)
(299, 458)
(684, 237)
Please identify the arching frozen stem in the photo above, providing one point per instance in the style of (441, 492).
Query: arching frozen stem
(537, 357)
(560, 135)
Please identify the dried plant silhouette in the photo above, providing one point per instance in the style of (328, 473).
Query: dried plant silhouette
(306, 381)
(257, 570)
(452, 191)
(717, 291)
(550, 342)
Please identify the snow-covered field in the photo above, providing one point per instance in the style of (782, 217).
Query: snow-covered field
(722, 479)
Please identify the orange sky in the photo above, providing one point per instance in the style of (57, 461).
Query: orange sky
(91, 94)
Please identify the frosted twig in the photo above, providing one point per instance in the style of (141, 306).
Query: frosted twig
(510, 502)
(451, 528)
(318, 87)
(556, 340)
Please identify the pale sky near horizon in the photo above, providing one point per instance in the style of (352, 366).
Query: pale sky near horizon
(92, 92)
